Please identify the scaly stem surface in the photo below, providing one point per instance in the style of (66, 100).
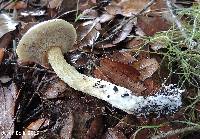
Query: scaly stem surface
(165, 101)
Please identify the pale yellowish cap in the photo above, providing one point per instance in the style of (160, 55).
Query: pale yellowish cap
(36, 42)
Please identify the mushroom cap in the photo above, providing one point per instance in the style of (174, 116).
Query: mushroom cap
(36, 42)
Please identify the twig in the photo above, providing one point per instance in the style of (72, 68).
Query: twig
(179, 24)
(177, 131)
(11, 1)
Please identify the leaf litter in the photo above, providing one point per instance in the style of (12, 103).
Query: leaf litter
(113, 32)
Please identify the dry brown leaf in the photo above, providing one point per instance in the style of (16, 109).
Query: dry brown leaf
(124, 32)
(1, 54)
(143, 134)
(146, 67)
(152, 24)
(54, 4)
(5, 79)
(95, 129)
(126, 8)
(122, 56)
(89, 14)
(53, 89)
(106, 17)
(5, 40)
(88, 33)
(32, 129)
(135, 44)
(66, 131)
(114, 133)
(7, 24)
(17, 5)
(8, 96)
(120, 74)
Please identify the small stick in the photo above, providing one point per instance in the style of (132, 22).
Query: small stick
(175, 132)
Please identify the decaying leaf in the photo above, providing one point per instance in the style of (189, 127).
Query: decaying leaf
(7, 24)
(53, 89)
(113, 133)
(146, 67)
(14, 5)
(32, 129)
(122, 56)
(54, 4)
(5, 79)
(120, 74)
(135, 44)
(8, 96)
(96, 128)
(152, 24)
(66, 131)
(106, 17)
(124, 32)
(1, 54)
(88, 33)
(126, 8)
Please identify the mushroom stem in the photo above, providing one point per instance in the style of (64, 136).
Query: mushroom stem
(168, 100)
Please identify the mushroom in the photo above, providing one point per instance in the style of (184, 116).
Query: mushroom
(47, 41)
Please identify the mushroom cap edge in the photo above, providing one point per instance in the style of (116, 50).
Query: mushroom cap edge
(36, 42)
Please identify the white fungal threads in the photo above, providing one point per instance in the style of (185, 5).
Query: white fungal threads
(166, 101)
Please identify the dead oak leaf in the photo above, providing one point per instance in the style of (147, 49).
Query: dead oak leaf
(146, 67)
(120, 74)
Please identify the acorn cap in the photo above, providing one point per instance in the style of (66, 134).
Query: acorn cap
(36, 42)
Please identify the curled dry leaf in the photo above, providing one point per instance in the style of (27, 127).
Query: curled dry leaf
(7, 24)
(146, 67)
(120, 74)
(88, 33)
(8, 96)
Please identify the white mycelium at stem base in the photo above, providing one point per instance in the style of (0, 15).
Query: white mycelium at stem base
(120, 97)
(60, 38)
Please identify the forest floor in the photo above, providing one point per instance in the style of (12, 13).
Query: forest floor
(142, 45)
